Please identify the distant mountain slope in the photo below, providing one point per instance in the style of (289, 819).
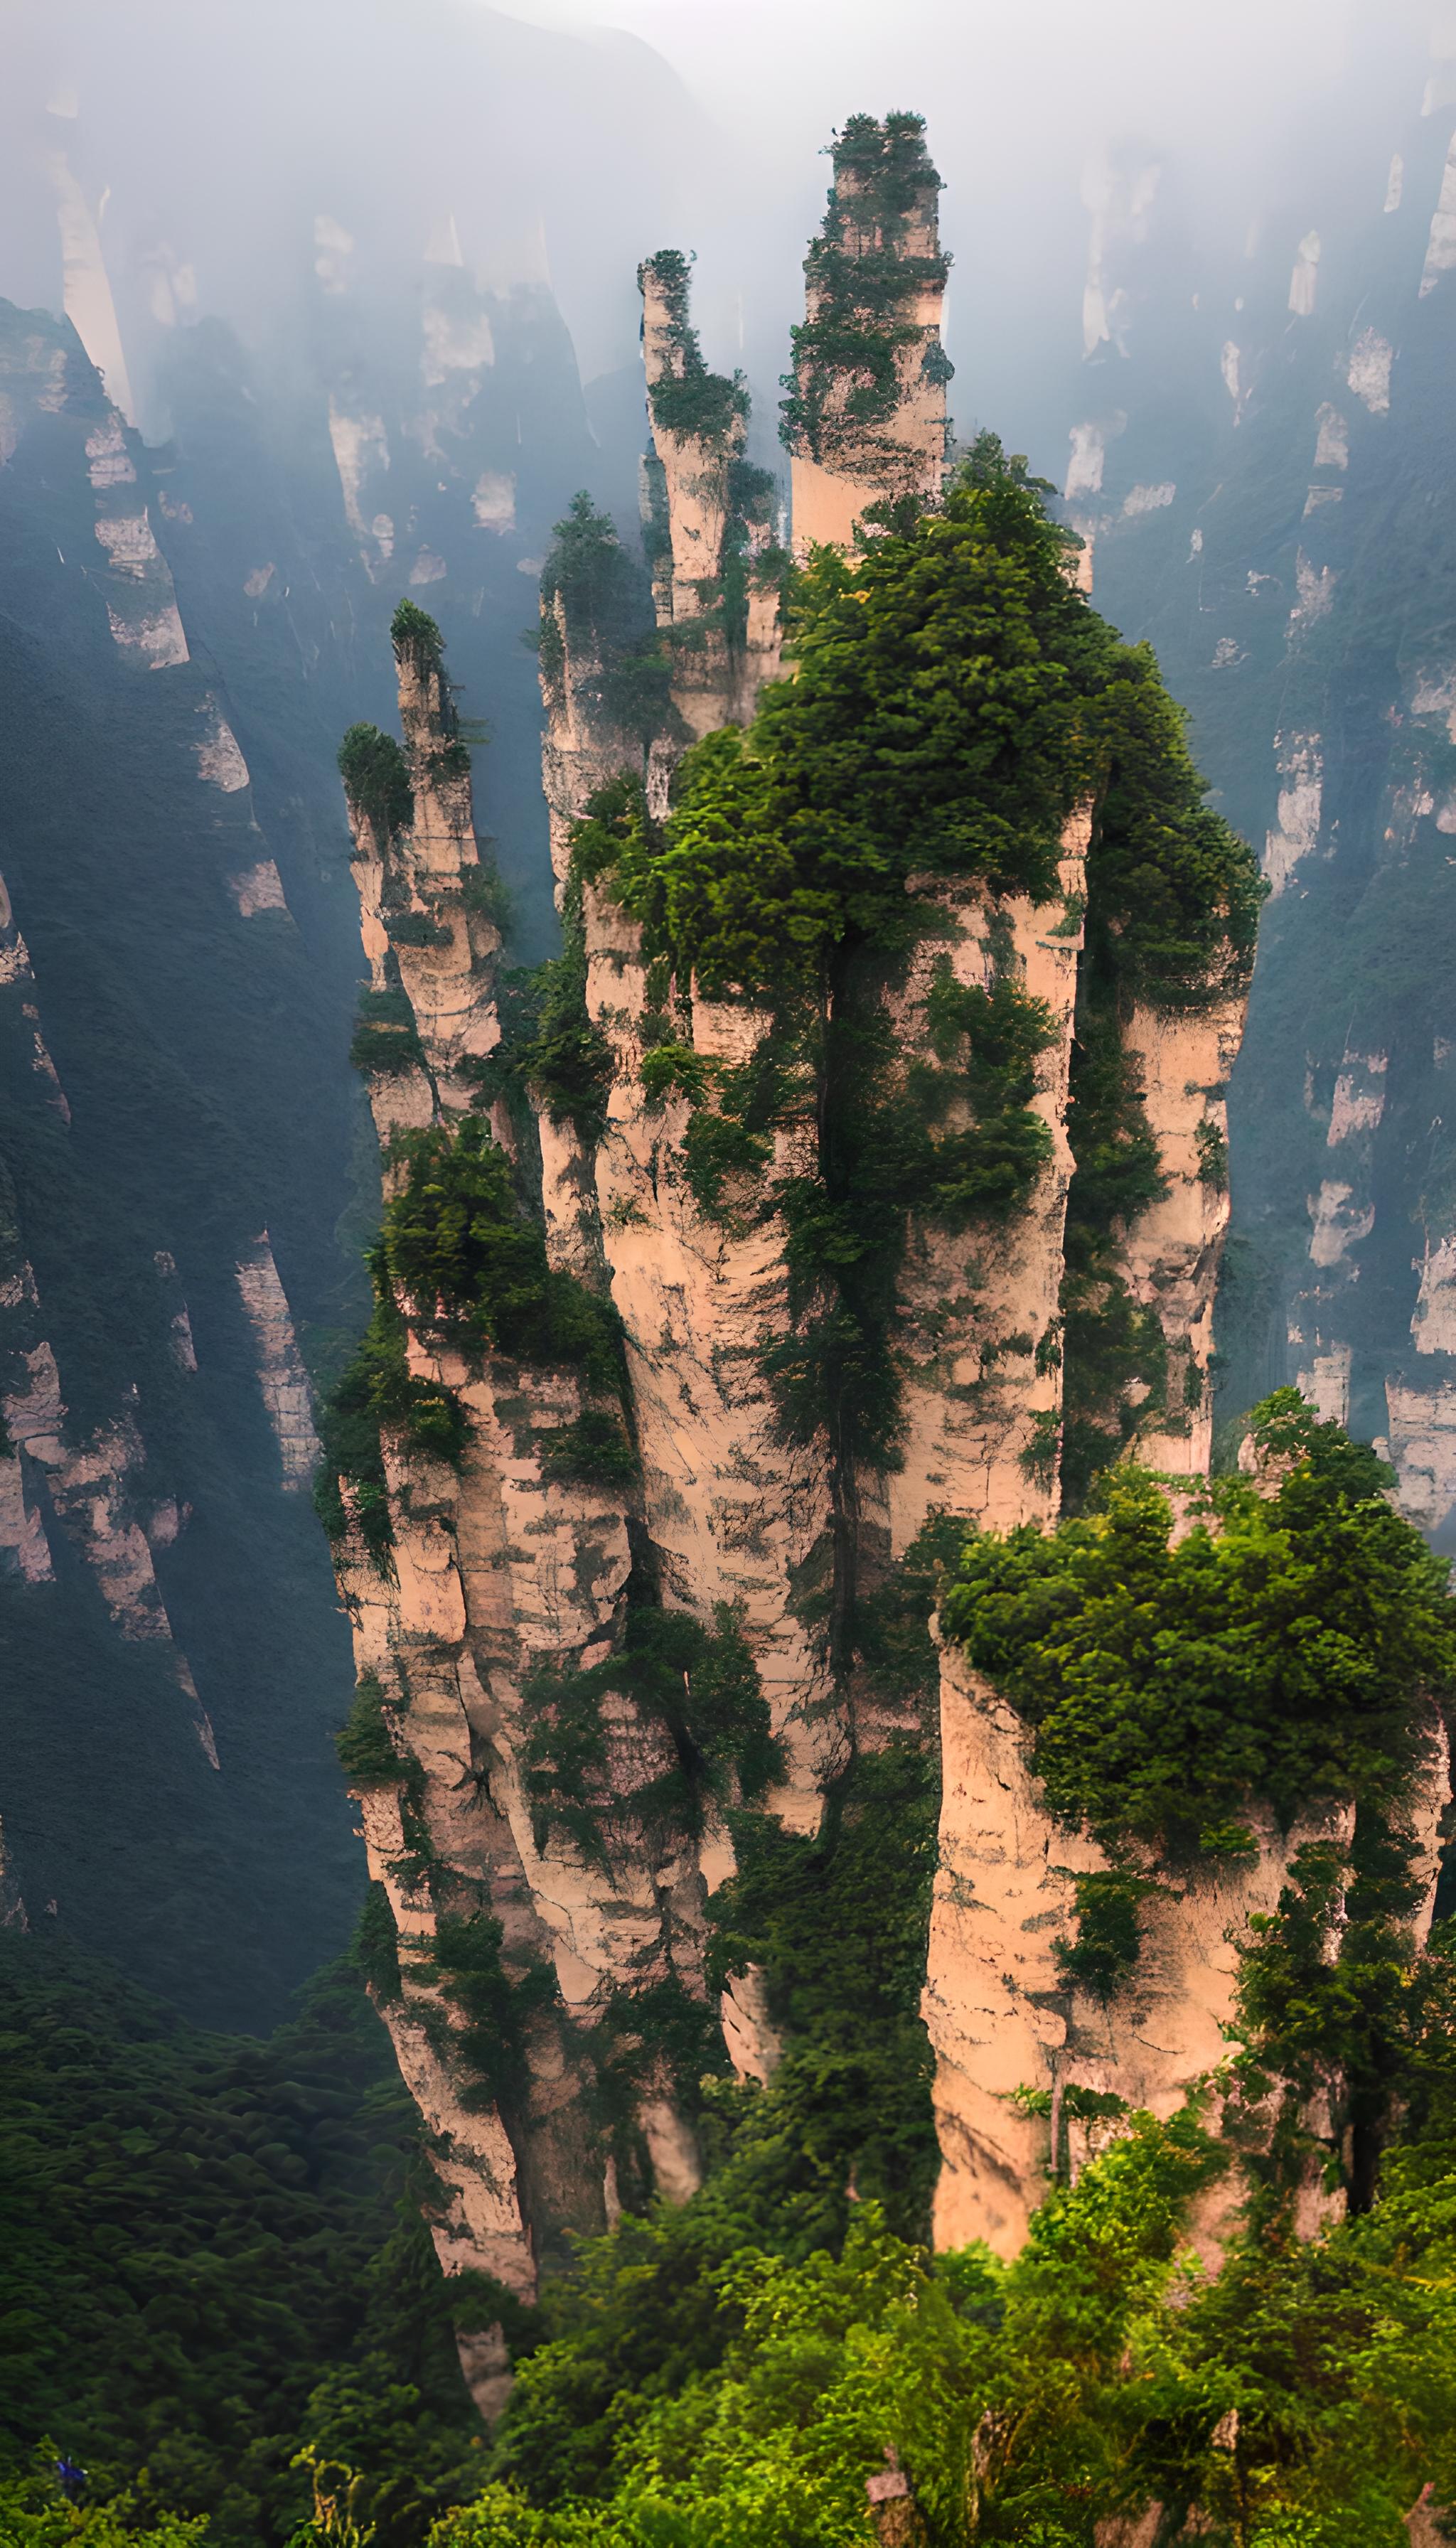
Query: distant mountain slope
(185, 629)
(1263, 459)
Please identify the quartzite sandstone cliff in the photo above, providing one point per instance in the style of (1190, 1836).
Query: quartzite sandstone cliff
(507, 1577)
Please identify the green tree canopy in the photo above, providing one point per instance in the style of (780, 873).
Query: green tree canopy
(954, 698)
(1289, 1647)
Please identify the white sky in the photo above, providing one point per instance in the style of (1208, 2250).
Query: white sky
(1021, 97)
(785, 67)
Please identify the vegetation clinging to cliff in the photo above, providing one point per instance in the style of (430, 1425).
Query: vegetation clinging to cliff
(417, 640)
(596, 601)
(864, 283)
(687, 398)
(707, 1739)
(1292, 1654)
(377, 1393)
(954, 700)
(457, 1246)
(474, 1266)
(548, 1043)
(376, 779)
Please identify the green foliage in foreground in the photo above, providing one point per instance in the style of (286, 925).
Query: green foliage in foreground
(1292, 1654)
(33, 2514)
(211, 2253)
(1307, 2394)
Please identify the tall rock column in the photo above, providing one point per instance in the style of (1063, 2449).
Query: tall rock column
(978, 1310)
(537, 1870)
(709, 516)
(736, 1513)
(866, 417)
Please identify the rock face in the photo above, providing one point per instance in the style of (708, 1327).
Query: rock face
(515, 1602)
(983, 1394)
(1004, 2018)
(708, 517)
(156, 1028)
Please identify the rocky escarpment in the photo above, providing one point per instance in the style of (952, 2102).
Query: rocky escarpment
(1255, 453)
(728, 1260)
(194, 613)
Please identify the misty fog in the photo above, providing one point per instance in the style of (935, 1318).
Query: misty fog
(566, 138)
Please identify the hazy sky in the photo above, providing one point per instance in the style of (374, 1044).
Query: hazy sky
(780, 66)
(217, 130)
(1247, 97)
